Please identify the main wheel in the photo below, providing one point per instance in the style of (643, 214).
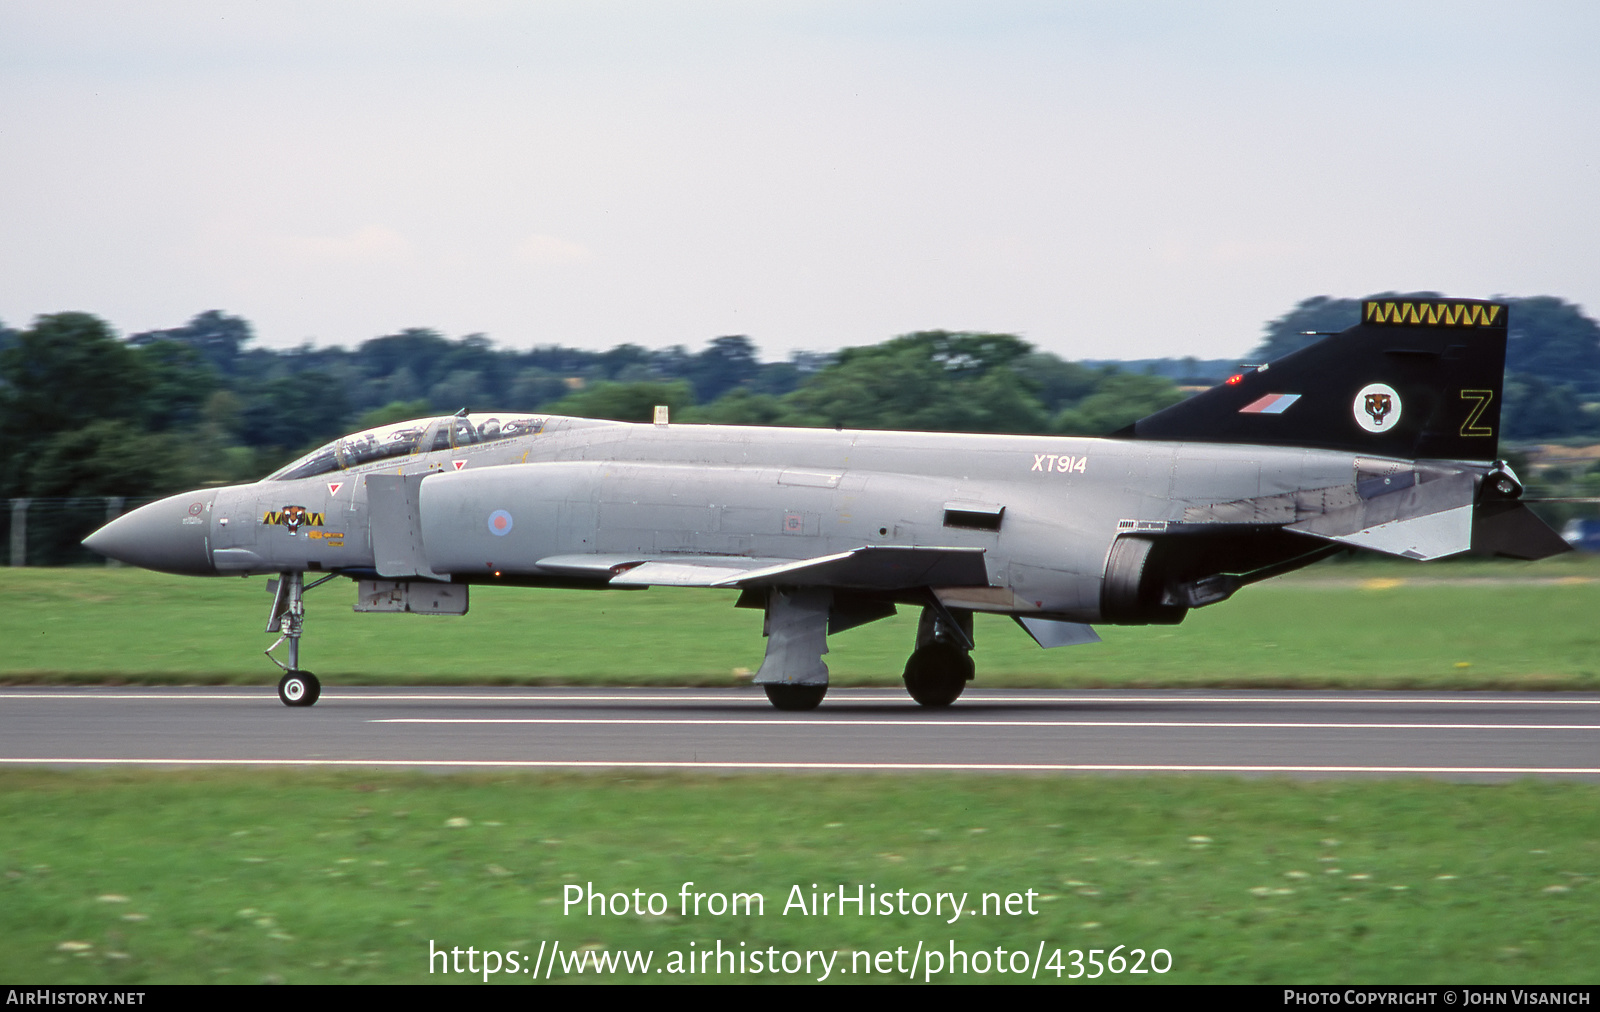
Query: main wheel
(936, 674)
(299, 688)
(795, 697)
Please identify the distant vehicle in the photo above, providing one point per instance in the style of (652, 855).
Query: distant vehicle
(1582, 535)
(1383, 437)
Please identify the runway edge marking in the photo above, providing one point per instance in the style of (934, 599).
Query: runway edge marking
(802, 766)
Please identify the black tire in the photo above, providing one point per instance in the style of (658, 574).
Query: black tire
(936, 674)
(795, 697)
(299, 688)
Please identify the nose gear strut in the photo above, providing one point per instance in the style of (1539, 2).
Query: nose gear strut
(296, 688)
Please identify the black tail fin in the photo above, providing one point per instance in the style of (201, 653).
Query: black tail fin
(1416, 378)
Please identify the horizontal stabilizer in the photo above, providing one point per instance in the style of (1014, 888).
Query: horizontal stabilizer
(1423, 538)
(1425, 521)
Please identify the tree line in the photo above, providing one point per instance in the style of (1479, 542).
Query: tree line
(89, 413)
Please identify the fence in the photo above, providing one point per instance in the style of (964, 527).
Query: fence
(48, 531)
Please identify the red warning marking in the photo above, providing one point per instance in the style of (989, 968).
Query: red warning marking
(334, 487)
(459, 464)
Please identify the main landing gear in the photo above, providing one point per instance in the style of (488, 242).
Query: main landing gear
(795, 697)
(798, 620)
(941, 666)
(296, 687)
(792, 672)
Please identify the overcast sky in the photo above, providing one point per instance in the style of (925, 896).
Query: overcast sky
(1109, 180)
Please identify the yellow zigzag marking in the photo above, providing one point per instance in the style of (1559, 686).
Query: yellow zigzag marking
(312, 519)
(1433, 314)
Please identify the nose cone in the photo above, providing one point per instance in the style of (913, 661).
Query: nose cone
(171, 535)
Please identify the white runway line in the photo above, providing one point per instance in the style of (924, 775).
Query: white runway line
(821, 721)
(817, 766)
(101, 695)
(839, 696)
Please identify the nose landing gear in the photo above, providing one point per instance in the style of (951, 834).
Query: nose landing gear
(297, 687)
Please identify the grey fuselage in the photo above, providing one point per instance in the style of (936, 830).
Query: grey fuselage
(1046, 511)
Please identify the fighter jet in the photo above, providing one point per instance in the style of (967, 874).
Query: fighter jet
(1382, 437)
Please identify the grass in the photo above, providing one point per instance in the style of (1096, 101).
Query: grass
(128, 878)
(167, 877)
(1471, 625)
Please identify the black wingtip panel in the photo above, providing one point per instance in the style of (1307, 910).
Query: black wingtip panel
(1416, 378)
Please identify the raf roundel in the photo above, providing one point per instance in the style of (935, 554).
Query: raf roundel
(499, 523)
(1377, 408)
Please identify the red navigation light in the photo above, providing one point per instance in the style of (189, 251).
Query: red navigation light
(1235, 379)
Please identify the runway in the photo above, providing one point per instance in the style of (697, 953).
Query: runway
(1473, 736)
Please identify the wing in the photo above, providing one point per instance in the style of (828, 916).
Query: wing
(868, 568)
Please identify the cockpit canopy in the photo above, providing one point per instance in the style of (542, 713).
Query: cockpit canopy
(402, 439)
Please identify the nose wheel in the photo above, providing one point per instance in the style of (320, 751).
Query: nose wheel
(299, 688)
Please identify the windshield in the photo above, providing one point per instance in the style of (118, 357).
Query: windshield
(402, 439)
